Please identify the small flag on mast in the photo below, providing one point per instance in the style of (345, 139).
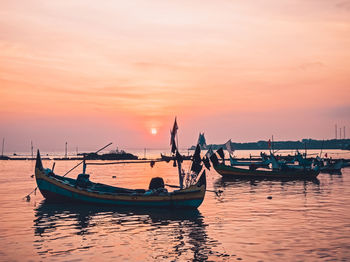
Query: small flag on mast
(209, 152)
(173, 135)
(214, 159)
(196, 163)
(221, 153)
(206, 162)
(197, 154)
(229, 147)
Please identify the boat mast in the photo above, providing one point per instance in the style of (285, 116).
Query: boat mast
(175, 140)
(179, 169)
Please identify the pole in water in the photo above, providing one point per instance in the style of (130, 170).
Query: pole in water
(65, 154)
(84, 167)
(322, 148)
(2, 151)
(31, 146)
(144, 153)
(272, 146)
(344, 132)
(336, 131)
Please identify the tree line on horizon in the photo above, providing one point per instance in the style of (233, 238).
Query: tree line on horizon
(293, 145)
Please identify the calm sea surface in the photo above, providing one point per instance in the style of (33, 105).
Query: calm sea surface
(304, 220)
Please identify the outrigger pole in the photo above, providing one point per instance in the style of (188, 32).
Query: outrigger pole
(28, 196)
(84, 159)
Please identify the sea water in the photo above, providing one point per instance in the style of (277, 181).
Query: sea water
(249, 221)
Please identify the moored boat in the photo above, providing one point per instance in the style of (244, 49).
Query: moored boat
(170, 158)
(61, 188)
(332, 166)
(278, 170)
(232, 171)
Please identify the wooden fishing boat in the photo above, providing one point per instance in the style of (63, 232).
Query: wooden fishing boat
(60, 188)
(288, 173)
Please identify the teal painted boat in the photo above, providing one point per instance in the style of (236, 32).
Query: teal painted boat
(60, 188)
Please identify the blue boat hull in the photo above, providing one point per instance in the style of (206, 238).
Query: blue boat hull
(58, 188)
(58, 194)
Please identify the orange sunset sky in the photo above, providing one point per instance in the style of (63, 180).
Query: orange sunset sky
(91, 72)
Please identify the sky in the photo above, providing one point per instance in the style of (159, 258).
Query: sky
(93, 72)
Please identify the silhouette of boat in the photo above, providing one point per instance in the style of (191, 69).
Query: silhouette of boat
(120, 155)
(60, 188)
(279, 170)
(170, 158)
(332, 166)
(288, 173)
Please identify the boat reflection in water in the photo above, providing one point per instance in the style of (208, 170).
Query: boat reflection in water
(64, 229)
(264, 185)
(254, 181)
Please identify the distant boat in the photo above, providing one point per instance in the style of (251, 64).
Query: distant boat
(332, 166)
(121, 155)
(278, 171)
(170, 158)
(232, 171)
(60, 188)
(111, 156)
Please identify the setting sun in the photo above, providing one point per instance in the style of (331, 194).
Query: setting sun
(153, 131)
